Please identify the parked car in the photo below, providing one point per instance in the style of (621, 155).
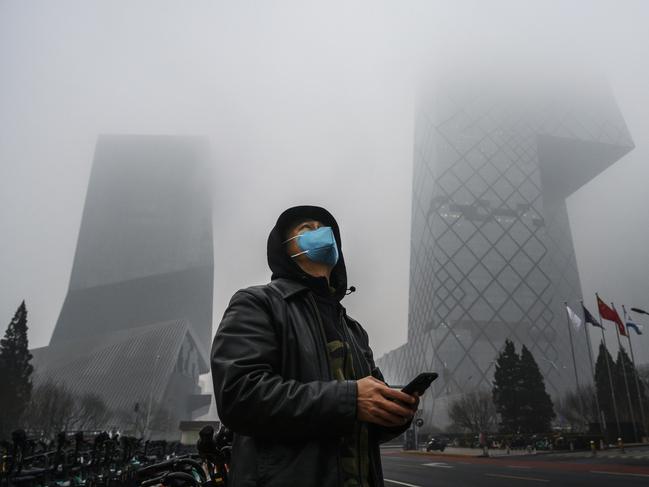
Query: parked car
(436, 444)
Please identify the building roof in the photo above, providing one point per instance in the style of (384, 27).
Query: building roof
(123, 367)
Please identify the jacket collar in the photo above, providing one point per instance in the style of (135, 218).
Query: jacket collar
(288, 287)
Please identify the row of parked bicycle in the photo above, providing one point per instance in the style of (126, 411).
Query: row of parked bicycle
(103, 460)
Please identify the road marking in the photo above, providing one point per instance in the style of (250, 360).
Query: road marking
(401, 483)
(437, 465)
(515, 477)
(620, 473)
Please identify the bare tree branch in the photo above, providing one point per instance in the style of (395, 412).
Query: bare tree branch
(474, 411)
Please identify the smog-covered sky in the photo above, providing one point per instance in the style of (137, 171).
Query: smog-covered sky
(303, 102)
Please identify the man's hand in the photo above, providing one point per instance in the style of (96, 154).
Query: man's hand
(376, 403)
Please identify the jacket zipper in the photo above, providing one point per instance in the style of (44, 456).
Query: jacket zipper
(352, 345)
(351, 340)
(372, 459)
(323, 338)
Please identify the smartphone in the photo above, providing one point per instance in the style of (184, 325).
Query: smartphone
(420, 383)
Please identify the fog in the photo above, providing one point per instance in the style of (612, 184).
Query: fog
(303, 103)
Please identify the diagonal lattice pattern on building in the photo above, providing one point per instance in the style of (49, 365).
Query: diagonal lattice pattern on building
(491, 250)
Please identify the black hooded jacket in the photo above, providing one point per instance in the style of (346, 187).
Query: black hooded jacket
(273, 384)
(327, 294)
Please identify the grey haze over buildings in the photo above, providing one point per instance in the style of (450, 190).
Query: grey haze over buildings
(492, 255)
(302, 103)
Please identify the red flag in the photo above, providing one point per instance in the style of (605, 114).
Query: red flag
(608, 313)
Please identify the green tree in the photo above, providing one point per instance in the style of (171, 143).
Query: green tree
(602, 383)
(624, 367)
(536, 408)
(15, 372)
(643, 376)
(507, 388)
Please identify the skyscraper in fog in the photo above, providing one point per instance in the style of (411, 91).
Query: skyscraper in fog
(136, 323)
(492, 255)
(144, 252)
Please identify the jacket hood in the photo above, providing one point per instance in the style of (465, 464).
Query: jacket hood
(283, 266)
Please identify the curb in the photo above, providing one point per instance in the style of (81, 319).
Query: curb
(431, 454)
(476, 455)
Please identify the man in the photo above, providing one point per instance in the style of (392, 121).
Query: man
(294, 376)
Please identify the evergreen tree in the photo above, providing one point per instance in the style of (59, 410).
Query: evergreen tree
(507, 388)
(602, 383)
(643, 382)
(15, 372)
(536, 408)
(624, 367)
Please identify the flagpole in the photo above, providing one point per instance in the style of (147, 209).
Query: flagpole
(608, 368)
(635, 373)
(602, 424)
(574, 362)
(626, 382)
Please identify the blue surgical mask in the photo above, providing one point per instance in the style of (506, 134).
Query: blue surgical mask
(319, 245)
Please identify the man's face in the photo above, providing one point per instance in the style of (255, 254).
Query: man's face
(305, 226)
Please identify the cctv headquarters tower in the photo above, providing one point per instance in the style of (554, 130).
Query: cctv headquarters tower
(492, 256)
(135, 326)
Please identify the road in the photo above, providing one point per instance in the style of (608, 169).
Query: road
(414, 469)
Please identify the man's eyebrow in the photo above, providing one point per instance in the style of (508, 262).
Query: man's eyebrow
(299, 227)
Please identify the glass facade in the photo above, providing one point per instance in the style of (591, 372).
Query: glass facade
(491, 251)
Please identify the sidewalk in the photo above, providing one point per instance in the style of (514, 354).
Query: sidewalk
(462, 452)
(478, 452)
(635, 452)
(638, 452)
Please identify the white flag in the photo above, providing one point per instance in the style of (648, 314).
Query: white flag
(574, 318)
